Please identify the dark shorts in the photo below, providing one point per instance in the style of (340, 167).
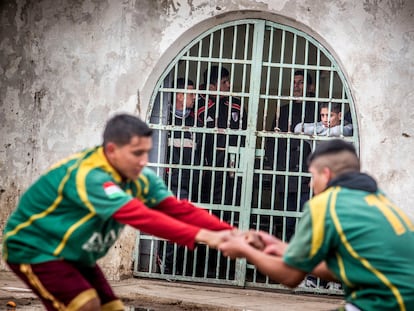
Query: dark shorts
(62, 285)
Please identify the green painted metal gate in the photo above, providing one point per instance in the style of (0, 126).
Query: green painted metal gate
(262, 58)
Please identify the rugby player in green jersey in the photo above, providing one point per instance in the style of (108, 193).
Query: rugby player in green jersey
(71, 215)
(350, 231)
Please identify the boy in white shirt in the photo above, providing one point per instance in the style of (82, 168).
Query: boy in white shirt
(330, 124)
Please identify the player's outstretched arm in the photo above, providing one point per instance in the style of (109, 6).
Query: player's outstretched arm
(213, 238)
(323, 272)
(273, 245)
(187, 212)
(154, 222)
(236, 246)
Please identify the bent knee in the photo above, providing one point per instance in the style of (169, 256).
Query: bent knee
(86, 301)
(91, 305)
(115, 305)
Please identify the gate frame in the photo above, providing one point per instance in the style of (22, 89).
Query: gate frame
(180, 47)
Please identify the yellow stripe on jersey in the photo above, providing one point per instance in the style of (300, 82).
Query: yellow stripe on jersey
(374, 200)
(139, 189)
(398, 211)
(354, 254)
(145, 181)
(69, 232)
(342, 272)
(318, 207)
(142, 188)
(97, 159)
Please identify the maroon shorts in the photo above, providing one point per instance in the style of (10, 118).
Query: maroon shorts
(63, 285)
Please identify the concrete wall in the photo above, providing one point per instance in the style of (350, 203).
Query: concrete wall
(65, 66)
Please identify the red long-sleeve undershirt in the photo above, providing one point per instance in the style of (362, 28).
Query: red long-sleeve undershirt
(172, 219)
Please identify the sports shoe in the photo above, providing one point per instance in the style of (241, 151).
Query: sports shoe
(334, 286)
(308, 282)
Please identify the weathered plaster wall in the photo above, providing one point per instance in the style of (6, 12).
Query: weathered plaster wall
(65, 66)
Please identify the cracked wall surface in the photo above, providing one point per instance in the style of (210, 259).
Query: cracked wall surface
(65, 66)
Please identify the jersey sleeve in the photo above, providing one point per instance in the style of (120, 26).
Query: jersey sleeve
(189, 213)
(154, 222)
(100, 193)
(311, 242)
(172, 219)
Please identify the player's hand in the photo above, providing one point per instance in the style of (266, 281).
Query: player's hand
(214, 238)
(254, 239)
(235, 246)
(272, 245)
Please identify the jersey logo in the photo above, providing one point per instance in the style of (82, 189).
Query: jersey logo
(98, 243)
(235, 116)
(113, 191)
(209, 119)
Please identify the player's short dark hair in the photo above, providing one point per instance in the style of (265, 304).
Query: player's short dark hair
(300, 72)
(332, 146)
(339, 155)
(181, 83)
(122, 127)
(335, 107)
(214, 74)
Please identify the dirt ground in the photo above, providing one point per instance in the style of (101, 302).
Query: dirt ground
(144, 304)
(141, 294)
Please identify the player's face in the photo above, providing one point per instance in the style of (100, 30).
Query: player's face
(130, 159)
(225, 84)
(189, 98)
(320, 178)
(333, 120)
(298, 86)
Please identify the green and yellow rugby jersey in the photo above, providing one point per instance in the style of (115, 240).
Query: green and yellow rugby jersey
(367, 242)
(71, 206)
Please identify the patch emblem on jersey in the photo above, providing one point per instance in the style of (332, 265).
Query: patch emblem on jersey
(235, 116)
(209, 119)
(112, 190)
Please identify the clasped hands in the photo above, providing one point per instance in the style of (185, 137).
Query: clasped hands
(236, 243)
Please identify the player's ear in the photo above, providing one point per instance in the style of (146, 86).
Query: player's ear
(109, 148)
(327, 172)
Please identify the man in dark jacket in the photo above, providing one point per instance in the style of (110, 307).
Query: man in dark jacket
(219, 111)
(182, 154)
(291, 153)
(182, 147)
